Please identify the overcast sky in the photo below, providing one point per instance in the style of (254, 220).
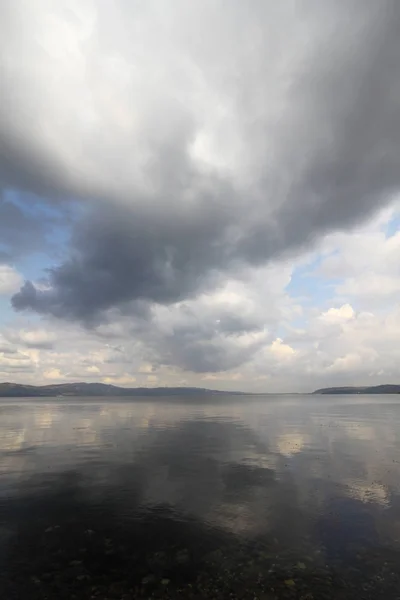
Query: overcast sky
(200, 193)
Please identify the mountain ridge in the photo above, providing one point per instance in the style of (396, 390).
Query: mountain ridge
(85, 389)
(11, 390)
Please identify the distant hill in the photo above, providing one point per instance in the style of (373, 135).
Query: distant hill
(9, 390)
(376, 389)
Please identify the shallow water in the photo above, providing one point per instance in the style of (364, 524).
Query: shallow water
(226, 497)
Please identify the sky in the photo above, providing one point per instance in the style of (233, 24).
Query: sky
(200, 193)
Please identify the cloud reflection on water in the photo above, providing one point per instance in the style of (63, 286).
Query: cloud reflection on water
(264, 466)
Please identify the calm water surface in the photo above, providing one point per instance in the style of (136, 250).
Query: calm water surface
(235, 497)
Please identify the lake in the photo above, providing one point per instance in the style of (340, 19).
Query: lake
(258, 497)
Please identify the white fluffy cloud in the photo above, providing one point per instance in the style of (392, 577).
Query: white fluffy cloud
(366, 263)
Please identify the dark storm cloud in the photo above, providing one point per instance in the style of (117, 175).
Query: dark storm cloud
(311, 147)
(119, 257)
(349, 105)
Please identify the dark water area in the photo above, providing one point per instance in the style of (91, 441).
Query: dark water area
(234, 497)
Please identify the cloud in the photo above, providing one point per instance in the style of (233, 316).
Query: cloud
(195, 151)
(184, 344)
(221, 329)
(365, 265)
(13, 363)
(350, 362)
(356, 351)
(31, 338)
(20, 232)
(281, 351)
(53, 374)
(338, 315)
(10, 279)
(199, 169)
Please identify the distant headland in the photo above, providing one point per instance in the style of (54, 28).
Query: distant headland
(375, 389)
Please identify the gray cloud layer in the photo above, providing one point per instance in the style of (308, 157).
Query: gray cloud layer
(19, 232)
(202, 136)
